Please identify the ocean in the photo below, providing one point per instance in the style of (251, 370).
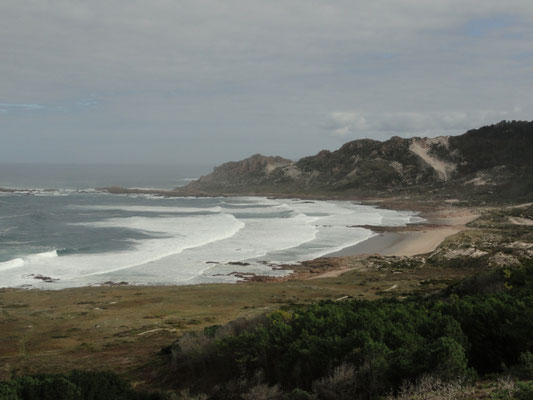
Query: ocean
(63, 233)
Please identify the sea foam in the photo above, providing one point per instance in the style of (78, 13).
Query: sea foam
(15, 263)
(186, 241)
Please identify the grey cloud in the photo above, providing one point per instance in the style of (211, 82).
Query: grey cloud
(253, 76)
(124, 43)
(411, 123)
(24, 107)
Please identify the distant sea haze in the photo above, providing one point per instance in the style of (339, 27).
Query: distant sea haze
(80, 177)
(67, 238)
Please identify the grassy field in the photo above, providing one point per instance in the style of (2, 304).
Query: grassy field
(124, 328)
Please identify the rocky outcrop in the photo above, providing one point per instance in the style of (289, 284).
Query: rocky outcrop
(492, 159)
(239, 175)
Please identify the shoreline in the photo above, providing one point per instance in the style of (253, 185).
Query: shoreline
(400, 243)
(403, 241)
(442, 220)
(397, 241)
(376, 244)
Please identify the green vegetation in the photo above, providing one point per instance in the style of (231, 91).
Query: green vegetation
(366, 349)
(508, 390)
(505, 143)
(75, 385)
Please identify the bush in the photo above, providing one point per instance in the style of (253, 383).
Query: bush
(8, 391)
(53, 387)
(340, 385)
(368, 348)
(385, 341)
(524, 368)
(75, 385)
(100, 385)
(509, 390)
(498, 328)
(449, 359)
(298, 394)
(432, 388)
(263, 392)
(524, 390)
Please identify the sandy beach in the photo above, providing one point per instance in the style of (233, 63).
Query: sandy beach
(413, 239)
(407, 243)
(410, 240)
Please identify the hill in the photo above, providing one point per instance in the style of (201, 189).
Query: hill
(492, 162)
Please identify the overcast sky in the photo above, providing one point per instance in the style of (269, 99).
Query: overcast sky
(207, 81)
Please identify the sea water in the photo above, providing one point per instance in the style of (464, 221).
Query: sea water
(61, 238)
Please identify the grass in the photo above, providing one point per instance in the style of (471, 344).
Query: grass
(123, 327)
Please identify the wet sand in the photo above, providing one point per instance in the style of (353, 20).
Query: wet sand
(415, 239)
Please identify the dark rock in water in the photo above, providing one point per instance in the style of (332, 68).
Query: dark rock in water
(111, 283)
(252, 277)
(46, 279)
(238, 263)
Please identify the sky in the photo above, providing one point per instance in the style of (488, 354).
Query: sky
(208, 81)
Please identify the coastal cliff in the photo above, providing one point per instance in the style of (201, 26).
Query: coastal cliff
(240, 175)
(493, 161)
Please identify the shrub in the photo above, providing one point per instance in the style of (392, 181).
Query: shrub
(75, 385)
(524, 369)
(340, 385)
(498, 327)
(432, 388)
(298, 394)
(7, 391)
(385, 341)
(524, 390)
(53, 387)
(263, 392)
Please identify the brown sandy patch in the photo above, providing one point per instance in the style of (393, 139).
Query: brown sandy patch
(521, 221)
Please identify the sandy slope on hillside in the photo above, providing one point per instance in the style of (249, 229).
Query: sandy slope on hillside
(442, 168)
(521, 221)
